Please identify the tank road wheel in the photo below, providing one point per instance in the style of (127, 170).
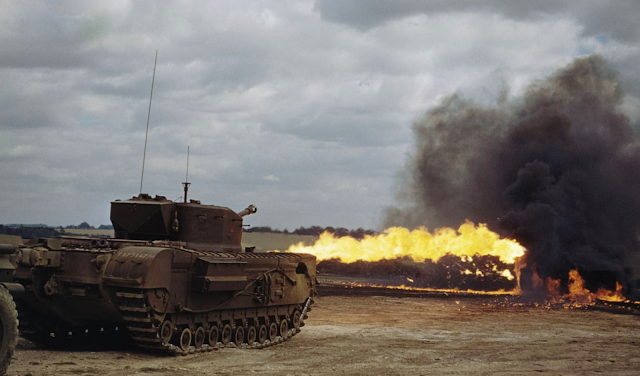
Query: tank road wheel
(214, 334)
(166, 331)
(226, 334)
(238, 335)
(185, 339)
(8, 329)
(251, 335)
(262, 333)
(273, 331)
(284, 328)
(295, 320)
(61, 334)
(199, 337)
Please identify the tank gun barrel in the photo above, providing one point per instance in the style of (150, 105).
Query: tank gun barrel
(251, 209)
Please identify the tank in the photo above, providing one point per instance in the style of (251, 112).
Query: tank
(175, 279)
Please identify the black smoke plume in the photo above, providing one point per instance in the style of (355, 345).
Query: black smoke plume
(558, 170)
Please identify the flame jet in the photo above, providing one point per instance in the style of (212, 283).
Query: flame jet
(557, 170)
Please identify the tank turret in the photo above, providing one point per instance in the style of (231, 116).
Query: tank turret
(201, 227)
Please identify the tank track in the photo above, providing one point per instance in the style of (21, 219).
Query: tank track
(50, 331)
(141, 324)
(145, 328)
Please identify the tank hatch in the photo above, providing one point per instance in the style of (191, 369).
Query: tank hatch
(143, 218)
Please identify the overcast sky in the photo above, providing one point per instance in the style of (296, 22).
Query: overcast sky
(302, 108)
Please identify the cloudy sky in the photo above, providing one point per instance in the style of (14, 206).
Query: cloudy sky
(302, 108)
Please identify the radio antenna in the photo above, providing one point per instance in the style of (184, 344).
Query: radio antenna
(186, 183)
(146, 136)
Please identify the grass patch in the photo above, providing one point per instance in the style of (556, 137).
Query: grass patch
(87, 232)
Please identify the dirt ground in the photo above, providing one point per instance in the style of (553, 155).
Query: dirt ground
(392, 336)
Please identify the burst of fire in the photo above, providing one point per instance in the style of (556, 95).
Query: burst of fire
(396, 242)
(467, 242)
(577, 292)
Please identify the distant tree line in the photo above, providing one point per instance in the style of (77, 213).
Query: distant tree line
(316, 231)
(25, 225)
(30, 232)
(86, 226)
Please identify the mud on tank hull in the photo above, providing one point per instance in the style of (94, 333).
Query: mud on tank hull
(169, 298)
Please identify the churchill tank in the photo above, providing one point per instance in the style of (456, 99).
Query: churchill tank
(174, 279)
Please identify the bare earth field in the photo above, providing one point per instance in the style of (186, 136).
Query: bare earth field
(392, 336)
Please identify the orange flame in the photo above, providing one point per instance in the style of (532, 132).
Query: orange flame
(467, 242)
(419, 244)
(577, 293)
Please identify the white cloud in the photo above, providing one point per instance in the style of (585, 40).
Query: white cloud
(263, 92)
(271, 178)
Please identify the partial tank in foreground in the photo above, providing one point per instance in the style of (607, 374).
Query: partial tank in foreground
(8, 314)
(175, 278)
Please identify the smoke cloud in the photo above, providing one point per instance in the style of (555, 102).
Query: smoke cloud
(558, 170)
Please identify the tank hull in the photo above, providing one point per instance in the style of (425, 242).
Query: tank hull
(166, 295)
